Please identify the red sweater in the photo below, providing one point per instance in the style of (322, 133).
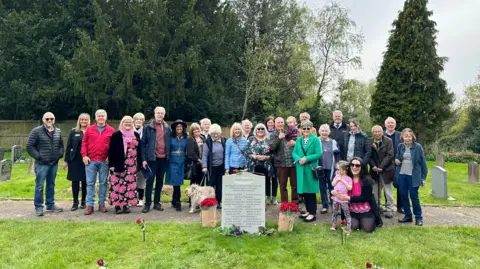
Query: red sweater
(95, 144)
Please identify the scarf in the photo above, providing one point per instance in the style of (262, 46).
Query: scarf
(139, 131)
(127, 138)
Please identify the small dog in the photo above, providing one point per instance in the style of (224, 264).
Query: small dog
(197, 194)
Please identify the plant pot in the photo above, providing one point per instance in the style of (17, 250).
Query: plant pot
(209, 218)
(285, 222)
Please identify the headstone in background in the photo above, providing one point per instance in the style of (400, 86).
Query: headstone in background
(31, 167)
(439, 182)
(2, 153)
(16, 153)
(473, 173)
(5, 170)
(440, 160)
(243, 201)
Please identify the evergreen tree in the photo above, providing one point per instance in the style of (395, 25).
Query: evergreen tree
(409, 87)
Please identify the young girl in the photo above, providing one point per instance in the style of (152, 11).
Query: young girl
(342, 183)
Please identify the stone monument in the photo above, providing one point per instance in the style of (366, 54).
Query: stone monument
(2, 153)
(243, 201)
(440, 160)
(5, 170)
(473, 176)
(439, 182)
(16, 153)
(31, 167)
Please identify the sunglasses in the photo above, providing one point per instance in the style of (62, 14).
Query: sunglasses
(307, 129)
(49, 119)
(261, 129)
(356, 165)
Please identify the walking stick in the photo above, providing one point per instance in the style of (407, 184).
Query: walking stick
(380, 177)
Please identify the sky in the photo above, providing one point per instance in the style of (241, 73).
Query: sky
(458, 36)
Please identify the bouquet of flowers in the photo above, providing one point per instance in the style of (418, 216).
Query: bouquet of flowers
(209, 212)
(286, 218)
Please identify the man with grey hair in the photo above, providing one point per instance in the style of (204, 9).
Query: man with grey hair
(338, 130)
(95, 146)
(45, 145)
(155, 147)
(205, 127)
(390, 132)
(304, 116)
(382, 169)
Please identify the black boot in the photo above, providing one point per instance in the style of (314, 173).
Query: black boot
(118, 210)
(83, 205)
(74, 207)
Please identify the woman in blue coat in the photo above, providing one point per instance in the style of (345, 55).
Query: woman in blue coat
(175, 173)
(411, 174)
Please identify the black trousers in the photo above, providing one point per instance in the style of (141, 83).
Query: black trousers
(76, 190)
(310, 203)
(159, 168)
(197, 178)
(271, 187)
(216, 176)
(176, 195)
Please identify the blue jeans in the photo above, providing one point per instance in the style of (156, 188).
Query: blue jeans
(91, 170)
(159, 167)
(405, 187)
(45, 173)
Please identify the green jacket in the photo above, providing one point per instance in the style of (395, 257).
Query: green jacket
(306, 183)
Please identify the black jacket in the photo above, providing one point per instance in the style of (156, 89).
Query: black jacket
(209, 143)
(339, 136)
(367, 196)
(193, 153)
(45, 149)
(362, 147)
(74, 146)
(116, 152)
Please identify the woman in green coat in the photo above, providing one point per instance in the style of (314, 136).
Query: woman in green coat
(307, 152)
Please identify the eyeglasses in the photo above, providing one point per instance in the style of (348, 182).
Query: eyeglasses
(356, 165)
(49, 119)
(307, 129)
(260, 129)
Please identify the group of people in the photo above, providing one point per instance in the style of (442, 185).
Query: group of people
(128, 163)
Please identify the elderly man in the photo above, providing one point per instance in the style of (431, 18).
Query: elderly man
(390, 125)
(283, 161)
(304, 116)
(45, 145)
(338, 130)
(155, 146)
(205, 126)
(382, 168)
(95, 146)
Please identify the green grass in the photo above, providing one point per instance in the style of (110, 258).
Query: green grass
(40, 244)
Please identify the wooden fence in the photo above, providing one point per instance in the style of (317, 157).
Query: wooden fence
(15, 132)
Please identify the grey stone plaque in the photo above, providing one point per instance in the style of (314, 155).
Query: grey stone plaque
(439, 182)
(473, 172)
(2, 153)
(243, 201)
(5, 170)
(16, 153)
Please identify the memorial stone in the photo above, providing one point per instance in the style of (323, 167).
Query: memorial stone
(2, 153)
(440, 160)
(16, 153)
(243, 201)
(31, 167)
(5, 170)
(473, 173)
(439, 182)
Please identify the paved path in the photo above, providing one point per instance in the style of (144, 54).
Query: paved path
(23, 210)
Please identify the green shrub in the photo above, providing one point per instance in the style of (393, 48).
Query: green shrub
(456, 157)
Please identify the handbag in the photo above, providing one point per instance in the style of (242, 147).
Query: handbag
(189, 169)
(316, 171)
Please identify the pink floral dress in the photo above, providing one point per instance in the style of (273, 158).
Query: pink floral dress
(123, 186)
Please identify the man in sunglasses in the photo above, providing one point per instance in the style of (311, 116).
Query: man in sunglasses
(45, 145)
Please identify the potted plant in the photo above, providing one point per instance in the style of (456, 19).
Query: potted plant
(286, 218)
(209, 212)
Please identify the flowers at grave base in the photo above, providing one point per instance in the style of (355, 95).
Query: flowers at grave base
(288, 208)
(143, 227)
(230, 231)
(101, 264)
(208, 203)
(208, 215)
(286, 218)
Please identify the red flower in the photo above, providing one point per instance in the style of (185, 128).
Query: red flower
(100, 262)
(368, 264)
(342, 222)
(138, 221)
(235, 171)
(208, 202)
(293, 207)
(284, 206)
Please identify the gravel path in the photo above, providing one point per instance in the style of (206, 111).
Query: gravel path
(23, 210)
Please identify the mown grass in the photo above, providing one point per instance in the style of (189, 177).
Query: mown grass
(465, 193)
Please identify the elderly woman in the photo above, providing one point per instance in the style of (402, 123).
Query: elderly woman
(330, 156)
(73, 160)
(363, 209)
(213, 160)
(205, 125)
(247, 129)
(195, 143)
(138, 120)
(235, 150)
(357, 143)
(259, 162)
(270, 123)
(124, 159)
(411, 174)
(307, 152)
(176, 163)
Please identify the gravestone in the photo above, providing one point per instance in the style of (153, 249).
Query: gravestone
(5, 170)
(439, 182)
(31, 167)
(16, 153)
(243, 201)
(440, 160)
(473, 176)
(2, 153)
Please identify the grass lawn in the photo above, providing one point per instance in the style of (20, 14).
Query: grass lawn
(39, 244)
(22, 185)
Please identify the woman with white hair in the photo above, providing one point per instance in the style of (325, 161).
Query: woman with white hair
(213, 160)
(259, 161)
(138, 120)
(235, 150)
(330, 156)
(124, 158)
(247, 128)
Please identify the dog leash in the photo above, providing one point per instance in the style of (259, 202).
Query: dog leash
(203, 178)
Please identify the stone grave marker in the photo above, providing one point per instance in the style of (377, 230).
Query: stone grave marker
(440, 160)
(439, 182)
(5, 170)
(243, 201)
(16, 153)
(31, 167)
(473, 176)
(2, 153)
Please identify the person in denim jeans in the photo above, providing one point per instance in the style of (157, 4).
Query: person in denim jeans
(45, 145)
(95, 145)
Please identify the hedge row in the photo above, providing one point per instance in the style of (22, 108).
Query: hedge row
(456, 157)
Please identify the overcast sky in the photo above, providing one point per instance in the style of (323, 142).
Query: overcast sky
(458, 35)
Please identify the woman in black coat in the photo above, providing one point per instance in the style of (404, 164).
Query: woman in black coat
(73, 160)
(195, 143)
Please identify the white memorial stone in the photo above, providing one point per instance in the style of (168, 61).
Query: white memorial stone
(243, 201)
(439, 182)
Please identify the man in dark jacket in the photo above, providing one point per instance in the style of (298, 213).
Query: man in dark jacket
(45, 145)
(382, 169)
(390, 132)
(155, 147)
(338, 130)
(357, 143)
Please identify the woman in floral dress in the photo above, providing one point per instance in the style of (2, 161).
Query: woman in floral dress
(124, 161)
(259, 160)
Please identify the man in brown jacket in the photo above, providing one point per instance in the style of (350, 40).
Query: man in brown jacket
(382, 168)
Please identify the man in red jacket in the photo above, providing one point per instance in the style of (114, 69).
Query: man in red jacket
(95, 144)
